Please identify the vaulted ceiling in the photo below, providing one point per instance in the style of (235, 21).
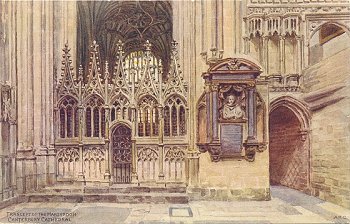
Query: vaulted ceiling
(133, 22)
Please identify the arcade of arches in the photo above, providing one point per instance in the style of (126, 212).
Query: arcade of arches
(220, 98)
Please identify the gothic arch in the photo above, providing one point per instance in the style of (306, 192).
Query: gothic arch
(115, 124)
(289, 143)
(66, 97)
(298, 108)
(336, 23)
(174, 95)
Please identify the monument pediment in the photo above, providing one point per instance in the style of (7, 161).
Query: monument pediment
(235, 65)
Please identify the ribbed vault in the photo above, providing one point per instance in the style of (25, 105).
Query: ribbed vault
(133, 22)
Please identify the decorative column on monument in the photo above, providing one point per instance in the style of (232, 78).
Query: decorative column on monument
(231, 109)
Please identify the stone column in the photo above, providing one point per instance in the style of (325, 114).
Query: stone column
(81, 175)
(266, 53)
(161, 144)
(134, 178)
(107, 175)
(209, 110)
(299, 56)
(215, 116)
(252, 131)
(282, 54)
(247, 45)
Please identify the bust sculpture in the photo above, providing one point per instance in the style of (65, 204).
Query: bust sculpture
(232, 109)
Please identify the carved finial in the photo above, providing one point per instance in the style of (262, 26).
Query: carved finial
(66, 49)
(174, 48)
(81, 72)
(120, 45)
(94, 46)
(106, 71)
(148, 45)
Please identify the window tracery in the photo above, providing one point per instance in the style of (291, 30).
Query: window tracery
(68, 118)
(175, 117)
(147, 122)
(120, 109)
(133, 94)
(94, 115)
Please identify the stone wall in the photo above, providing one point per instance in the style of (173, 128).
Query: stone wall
(328, 85)
(233, 179)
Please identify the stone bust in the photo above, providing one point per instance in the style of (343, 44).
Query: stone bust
(232, 109)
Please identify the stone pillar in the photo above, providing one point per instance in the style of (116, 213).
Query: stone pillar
(299, 56)
(252, 134)
(247, 45)
(215, 108)
(134, 178)
(81, 133)
(266, 54)
(161, 144)
(193, 168)
(282, 53)
(209, 115)
(107, 175)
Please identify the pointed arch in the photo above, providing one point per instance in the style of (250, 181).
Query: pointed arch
(297, 107)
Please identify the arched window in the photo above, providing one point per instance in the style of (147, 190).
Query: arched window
(88, 122)
(175, 117)
(68, 118)
(166, 121)
(120, 108)
(148, 112)
(96, 122)
(326, 42)
(94, 117)
(328, 32)
(182, 121)
(174, 120)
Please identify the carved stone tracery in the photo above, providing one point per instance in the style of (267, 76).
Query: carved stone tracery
(132, 94)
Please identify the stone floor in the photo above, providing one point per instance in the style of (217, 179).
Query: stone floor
(286, 206)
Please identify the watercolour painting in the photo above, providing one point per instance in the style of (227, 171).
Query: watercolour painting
(202, 111)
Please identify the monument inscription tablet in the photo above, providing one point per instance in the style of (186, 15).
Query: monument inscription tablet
(231, 139)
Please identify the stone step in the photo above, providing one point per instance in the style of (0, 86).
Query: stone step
(112, 189)
(142, 197)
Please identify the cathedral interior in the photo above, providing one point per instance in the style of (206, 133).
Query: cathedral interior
(213, 100)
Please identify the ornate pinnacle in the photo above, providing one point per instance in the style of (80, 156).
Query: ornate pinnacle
(120, 45)
(66, 49)
(148, 45)
(94, 46)
(174, 45)
(80, 73)
(106, 70)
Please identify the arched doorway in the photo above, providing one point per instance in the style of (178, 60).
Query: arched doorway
(121, 154)
(289, 147)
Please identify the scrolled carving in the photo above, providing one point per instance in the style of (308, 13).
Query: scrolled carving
(250, 152)
(215, 153)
